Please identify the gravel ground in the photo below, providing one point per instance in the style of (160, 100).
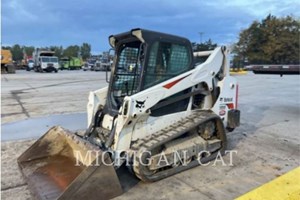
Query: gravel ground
(267, 142)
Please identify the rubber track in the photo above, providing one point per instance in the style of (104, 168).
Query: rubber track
(169, 133)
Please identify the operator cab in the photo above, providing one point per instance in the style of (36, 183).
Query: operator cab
(143, 59)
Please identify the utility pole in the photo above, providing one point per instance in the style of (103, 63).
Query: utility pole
(201, 33)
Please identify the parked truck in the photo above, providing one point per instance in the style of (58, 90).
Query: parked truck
(45, 60)
(64, 63)
(102, 65)
(89, 64)
(70, 63)
(7, 65)
(75, 63)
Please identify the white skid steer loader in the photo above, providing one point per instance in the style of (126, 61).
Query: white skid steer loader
(159, 101)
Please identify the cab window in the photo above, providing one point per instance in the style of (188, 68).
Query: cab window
(166, 60)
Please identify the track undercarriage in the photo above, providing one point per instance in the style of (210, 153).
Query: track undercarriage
(188, 143)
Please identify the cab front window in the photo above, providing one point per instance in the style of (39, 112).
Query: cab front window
(166, 61)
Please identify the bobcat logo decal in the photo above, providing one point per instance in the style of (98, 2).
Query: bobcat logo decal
(140, 104)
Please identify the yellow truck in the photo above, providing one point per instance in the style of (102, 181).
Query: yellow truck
(7, 65)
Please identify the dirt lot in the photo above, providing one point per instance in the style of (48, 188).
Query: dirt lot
(267, 142)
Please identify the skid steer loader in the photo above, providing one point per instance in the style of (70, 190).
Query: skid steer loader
(158, 102)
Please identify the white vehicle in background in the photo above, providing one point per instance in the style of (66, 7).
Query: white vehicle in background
(30, 65)
(102, 65)
(45, 61)
(89, 64)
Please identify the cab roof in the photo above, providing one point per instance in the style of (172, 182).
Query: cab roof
(146, 36)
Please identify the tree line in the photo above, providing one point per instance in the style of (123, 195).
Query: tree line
(83, 51)
(204, 46)
(272, 40)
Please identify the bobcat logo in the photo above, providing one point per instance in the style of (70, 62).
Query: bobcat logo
(140, 104)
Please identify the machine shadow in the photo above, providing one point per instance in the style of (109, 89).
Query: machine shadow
(248, 125)
(127, 179)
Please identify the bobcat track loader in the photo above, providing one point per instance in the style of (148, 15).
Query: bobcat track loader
(158, 102)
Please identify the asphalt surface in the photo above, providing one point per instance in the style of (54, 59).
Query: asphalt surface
(267, 142)
(33, 128)
(28, 94)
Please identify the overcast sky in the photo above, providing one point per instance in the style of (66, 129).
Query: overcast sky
(68, 22)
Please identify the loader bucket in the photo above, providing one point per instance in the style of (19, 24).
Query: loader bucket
(61, 165)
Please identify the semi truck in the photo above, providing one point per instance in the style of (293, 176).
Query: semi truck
(45, 60)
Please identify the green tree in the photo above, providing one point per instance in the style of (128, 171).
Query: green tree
(85, 51)
(71, 51)
(271, 41)
(6, 47)
(17, 52)
(28, 50)
(208, 45)
(58, 51)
